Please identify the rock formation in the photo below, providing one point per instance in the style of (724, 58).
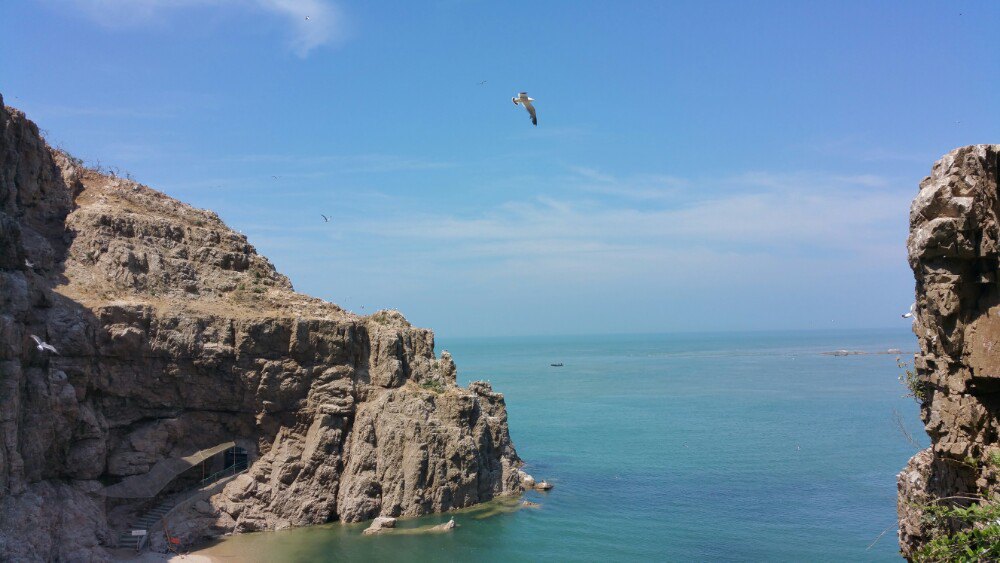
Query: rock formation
(954, 251)
(174, 335)
(380, 525)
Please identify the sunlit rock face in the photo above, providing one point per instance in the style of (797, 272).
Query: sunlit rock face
(174, 335)
(954, 251)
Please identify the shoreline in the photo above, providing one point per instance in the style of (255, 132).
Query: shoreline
(152, 557)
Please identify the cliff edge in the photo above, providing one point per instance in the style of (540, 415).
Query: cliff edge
(175, 336)
(954, 251)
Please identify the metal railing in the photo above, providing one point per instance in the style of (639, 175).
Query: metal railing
(233, 469)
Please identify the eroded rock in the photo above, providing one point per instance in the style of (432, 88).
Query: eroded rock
(954, 251)
(176, 336)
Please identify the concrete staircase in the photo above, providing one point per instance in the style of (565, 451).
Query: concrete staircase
(149, 522)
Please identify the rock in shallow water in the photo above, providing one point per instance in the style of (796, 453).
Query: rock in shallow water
(379, 525)
(446, 527)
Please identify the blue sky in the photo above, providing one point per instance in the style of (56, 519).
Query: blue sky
(696, 166)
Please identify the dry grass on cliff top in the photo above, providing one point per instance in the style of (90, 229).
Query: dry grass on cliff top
(257, 292)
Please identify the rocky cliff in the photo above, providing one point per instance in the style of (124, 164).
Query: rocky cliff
(175, 335)
(954, 251)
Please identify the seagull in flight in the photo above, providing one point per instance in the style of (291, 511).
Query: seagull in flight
(29, 264)
(913, 309)
(483, 82)
(307, 18)
(43, 346)
(325, 218)
(523, 99)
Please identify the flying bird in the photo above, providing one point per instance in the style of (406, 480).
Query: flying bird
(913, 309)
(28, 264)
(523, 99)
(275, 177)
(483, 82)
(325, 218)
(43, 346)
(307, 18)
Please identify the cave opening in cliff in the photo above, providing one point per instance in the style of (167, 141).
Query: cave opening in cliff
(236, 458)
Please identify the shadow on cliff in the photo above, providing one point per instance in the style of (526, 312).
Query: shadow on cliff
(69, 427)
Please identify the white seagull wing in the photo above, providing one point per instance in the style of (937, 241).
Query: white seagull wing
(531, 111)
(50, 347)
(37, 340)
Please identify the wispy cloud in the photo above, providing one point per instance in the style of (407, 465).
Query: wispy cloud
(639, 187)
(862, 150)
(755, 212)
(758, 218)
(313, 22)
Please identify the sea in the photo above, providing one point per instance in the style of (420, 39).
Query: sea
(752, 446)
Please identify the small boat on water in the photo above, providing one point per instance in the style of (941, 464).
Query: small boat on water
(559, 365)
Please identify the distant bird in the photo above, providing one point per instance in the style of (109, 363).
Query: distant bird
(28, 264)
(913, 309)
(523, 99)
(483, 82)
(307, 18)
(325, 218)
(797, 448)
(43, 346)
(275, 177)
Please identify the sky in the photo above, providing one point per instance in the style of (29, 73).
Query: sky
(697, 166)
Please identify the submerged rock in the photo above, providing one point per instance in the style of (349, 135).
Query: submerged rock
(446, 527)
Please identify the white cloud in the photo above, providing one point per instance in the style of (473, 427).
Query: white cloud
(761, 218)
(324, 25)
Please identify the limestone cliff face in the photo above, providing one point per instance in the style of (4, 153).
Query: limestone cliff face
(954, 251)
(175, 335)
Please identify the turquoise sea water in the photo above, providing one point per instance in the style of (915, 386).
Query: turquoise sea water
(707, 447)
